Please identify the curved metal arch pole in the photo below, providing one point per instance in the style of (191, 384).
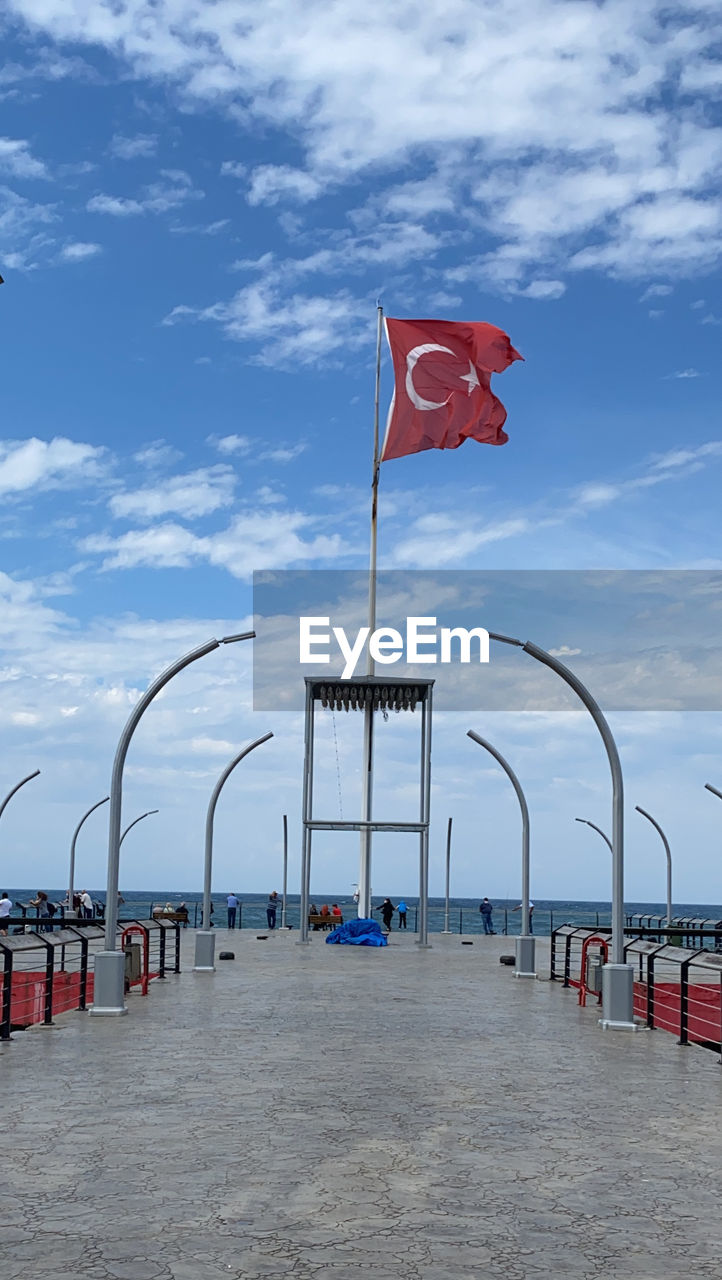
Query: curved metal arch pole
(132, 824)
(205, 938)
(71, 871)
(526, 943)
(707, 786)
(109, 968)
(618, 977)
(599, 831)
(17, 787)
(668, 852)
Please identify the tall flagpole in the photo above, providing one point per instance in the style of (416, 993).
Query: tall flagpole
(364, 884)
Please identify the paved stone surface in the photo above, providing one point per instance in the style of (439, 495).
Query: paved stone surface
(344, 1112)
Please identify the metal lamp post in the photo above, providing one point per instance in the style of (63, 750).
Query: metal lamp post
(668, 852)
(109, 967)
(525, 944)
(707, 786)
(132, 824)
(205, 938)
(17, 787)
(446, 928)
(285, 870)
(599, 831)
(617, 977)
(71, 872)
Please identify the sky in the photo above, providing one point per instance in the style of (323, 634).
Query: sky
(200, 206)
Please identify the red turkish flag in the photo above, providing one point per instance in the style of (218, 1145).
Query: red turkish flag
(442, 393)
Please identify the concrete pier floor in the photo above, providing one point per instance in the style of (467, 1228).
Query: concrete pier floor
(346, 1112)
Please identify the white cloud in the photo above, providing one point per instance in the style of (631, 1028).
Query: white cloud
(684, 373)
(116, 206)
(33, 463)
(78, 250)
(656, 291)
(198, 493)
(231, 444)
(204, 229)
(683, 457)
(544, 290)
(233, 169)
(292, 330)
(270, 183)
(285, 453)
(157, 454)
(173, 189)
(17, 159)
(253, 540)
(143, 144)
(585, 147)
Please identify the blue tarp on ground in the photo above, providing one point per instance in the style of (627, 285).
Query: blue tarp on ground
(358, 933)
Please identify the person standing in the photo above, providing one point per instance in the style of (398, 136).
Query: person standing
(402, 909)
(271, 908)
(6, 907)
(486, 910)
(387, 909)
(41, 902)
(232, 903)
(86, 903)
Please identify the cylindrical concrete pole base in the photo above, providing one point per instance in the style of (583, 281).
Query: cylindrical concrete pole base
(205, 956)
(618, 998)
(524, 948)
(108, 985)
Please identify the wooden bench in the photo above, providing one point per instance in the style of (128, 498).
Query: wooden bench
(324, 922)
(180, 917)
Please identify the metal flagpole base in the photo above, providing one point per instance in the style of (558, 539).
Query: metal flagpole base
(205, 952)
(524, 947)
(108, 985)
(618, 998)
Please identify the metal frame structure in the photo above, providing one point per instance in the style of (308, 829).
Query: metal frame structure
(368, 694)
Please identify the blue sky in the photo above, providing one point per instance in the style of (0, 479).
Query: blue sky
(199, 206)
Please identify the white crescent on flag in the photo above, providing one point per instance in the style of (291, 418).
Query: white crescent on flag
(472, 377)
(411, 391)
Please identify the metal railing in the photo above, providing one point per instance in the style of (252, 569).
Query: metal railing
(677, 975)
(44, 974)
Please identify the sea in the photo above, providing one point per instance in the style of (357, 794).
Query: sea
(463, 915)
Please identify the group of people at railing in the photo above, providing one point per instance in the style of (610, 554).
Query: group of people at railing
(48, 913)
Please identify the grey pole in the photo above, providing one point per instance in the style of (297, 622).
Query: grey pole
(71, 873)
(446, 928)
(424, 814)
(599, 831)
(285, 870)
(306, 814)
(707, 786)
(668, 852)
(617, 977)
(132, 824)
(525, 944)
(17, 787)
(205, 938)
(109, 969)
